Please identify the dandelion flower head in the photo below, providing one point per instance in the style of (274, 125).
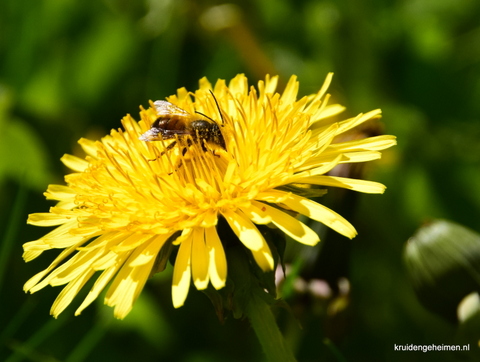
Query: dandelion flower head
(128, 200)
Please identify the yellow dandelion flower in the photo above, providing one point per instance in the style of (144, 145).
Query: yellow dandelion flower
(129, 200)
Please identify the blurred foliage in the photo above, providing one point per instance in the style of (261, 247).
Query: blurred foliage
(71, 69)
(438, 256)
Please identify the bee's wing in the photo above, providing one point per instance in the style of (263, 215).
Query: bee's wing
(165, 108)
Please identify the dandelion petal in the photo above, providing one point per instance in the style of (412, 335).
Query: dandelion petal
(314, 211)
(182, 272)
(200, 259)
(217, 266)
(290, 225)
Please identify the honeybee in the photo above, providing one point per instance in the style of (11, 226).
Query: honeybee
(175, 123)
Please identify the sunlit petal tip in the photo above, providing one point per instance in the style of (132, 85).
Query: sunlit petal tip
(121, 313)
(90, 147)
(326, 84)
(186, 233)
(217, 267)
(200, 259)
(291, 90)
(205, 84)
(179, 297)
(74, 163)
(264, 259)
(245, 230)
(47, 219)
(270, 85)
(182, 273)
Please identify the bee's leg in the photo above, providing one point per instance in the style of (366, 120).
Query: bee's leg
(180, 164)
(169, 147)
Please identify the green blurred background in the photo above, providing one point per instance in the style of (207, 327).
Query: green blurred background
(71, 69)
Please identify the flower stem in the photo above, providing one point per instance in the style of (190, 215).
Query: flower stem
(263, 322)
(251, 300)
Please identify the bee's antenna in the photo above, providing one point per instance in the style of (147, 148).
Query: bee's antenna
(218, 107)
(204, 115)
